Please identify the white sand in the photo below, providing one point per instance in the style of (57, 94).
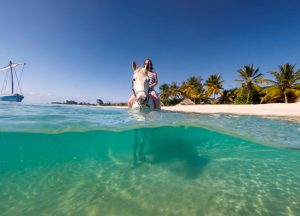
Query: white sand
(283, 110)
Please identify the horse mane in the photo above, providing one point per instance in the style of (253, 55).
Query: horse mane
(140, 70)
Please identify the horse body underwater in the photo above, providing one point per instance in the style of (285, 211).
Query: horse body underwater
(140, 88)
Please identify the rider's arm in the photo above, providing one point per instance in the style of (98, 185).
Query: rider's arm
(155, 80)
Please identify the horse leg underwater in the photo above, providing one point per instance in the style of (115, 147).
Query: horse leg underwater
(135, 148)
(138, 146)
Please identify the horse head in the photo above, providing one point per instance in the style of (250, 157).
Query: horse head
(140, 84)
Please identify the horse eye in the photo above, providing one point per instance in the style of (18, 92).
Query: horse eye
(133, 79)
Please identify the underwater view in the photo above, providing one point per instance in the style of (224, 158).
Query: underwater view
(77, 160)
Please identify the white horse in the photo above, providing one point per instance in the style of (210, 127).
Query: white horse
(140, 88)
(142, 100)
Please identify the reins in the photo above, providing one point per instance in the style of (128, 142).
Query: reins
(135, 93)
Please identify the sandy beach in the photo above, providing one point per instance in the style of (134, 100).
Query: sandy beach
(276, 109)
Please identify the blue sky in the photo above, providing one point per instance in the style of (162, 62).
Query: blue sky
(82, 49)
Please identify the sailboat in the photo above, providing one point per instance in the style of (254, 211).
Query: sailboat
(12, 95)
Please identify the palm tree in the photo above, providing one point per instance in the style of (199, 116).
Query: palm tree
(165, 93)
(228, 96)
(285, 86)
(213, 85)
(249, 79)
(187, 90)
(175, 91)
(192, 88)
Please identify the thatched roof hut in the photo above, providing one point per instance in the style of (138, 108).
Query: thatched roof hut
(187, 101)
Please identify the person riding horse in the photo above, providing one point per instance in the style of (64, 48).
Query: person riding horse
(143, 83)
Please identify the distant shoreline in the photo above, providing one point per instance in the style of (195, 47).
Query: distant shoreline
(112, 106)
(72, 102)
(290, 110)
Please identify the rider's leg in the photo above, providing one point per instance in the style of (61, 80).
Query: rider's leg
(156, 99)
(130, 101)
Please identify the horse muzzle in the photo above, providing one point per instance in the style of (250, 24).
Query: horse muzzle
(142, 98)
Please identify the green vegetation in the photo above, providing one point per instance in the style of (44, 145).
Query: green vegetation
(249, 79)
(193, 89)
(253, 89)
(285, 87)
(214, 85)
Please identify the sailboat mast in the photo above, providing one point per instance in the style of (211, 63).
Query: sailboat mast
(12, 78)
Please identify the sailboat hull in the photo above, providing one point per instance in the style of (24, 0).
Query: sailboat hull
(12, 98)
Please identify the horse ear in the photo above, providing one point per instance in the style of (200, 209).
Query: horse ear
(134, 65)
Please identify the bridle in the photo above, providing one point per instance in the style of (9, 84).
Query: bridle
(135, 95)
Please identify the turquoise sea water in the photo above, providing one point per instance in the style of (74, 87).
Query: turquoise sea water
(71, 160)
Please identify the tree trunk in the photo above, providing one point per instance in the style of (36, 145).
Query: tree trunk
(248, 96)
(285, 98)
